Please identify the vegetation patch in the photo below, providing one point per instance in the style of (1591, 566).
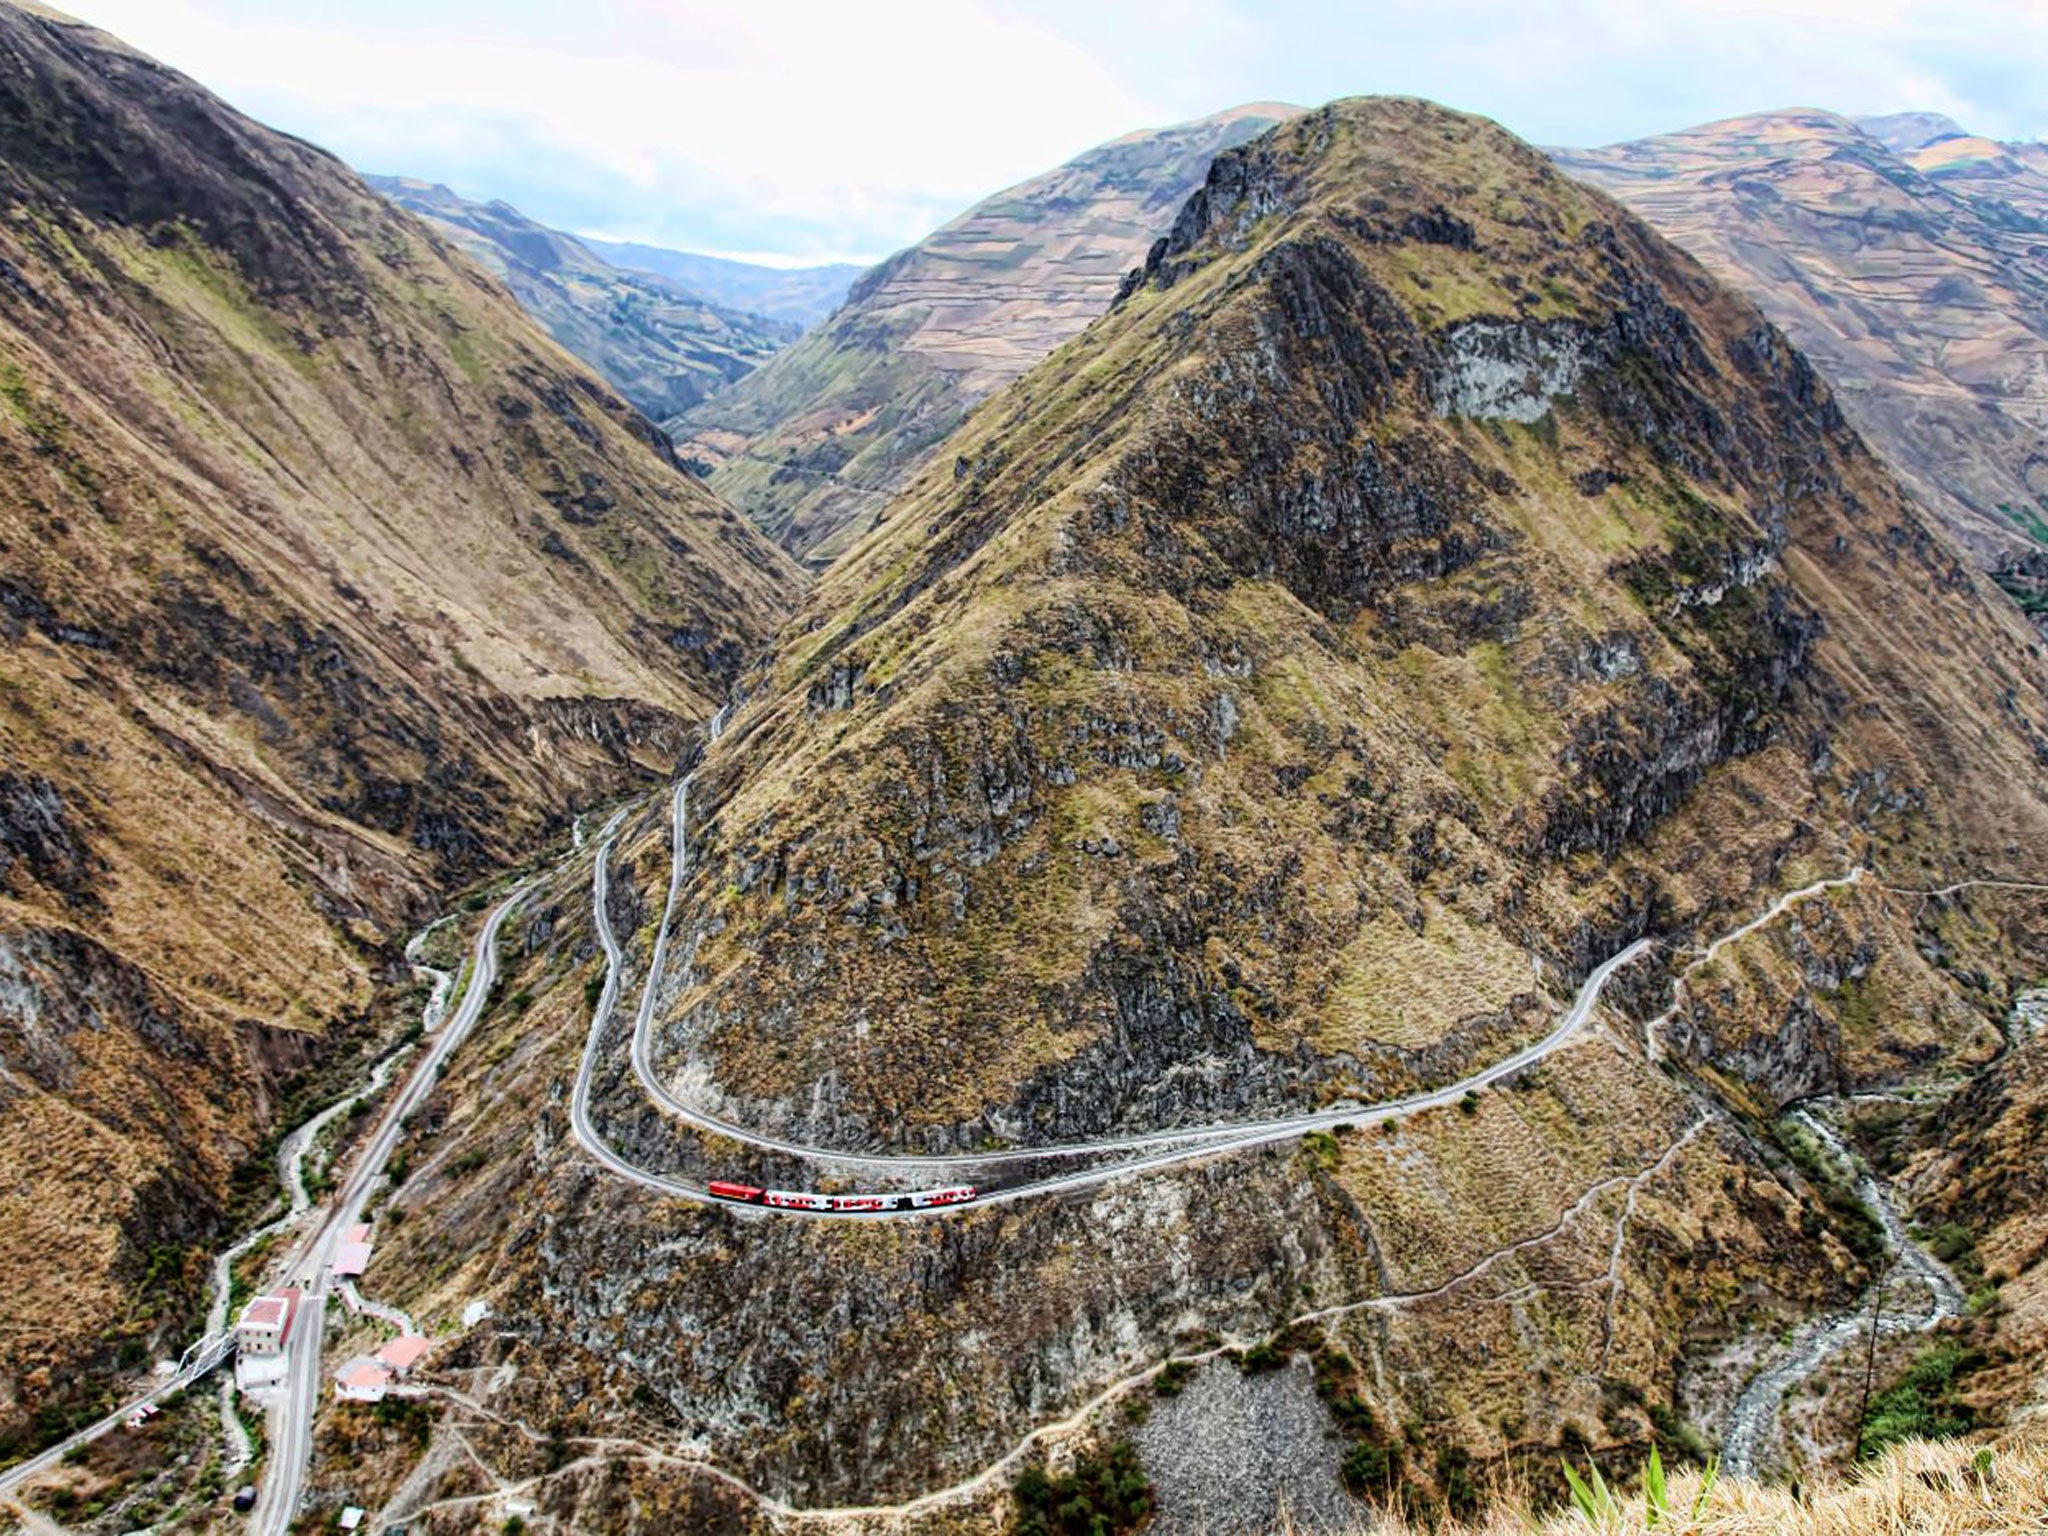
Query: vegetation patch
(1924, 1404)
(1105, 1494)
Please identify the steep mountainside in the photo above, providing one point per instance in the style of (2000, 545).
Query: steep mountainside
(325, 580)
(1425, 582)
(801, 295)
(1911, 261)
(813, 446)
(660, 346)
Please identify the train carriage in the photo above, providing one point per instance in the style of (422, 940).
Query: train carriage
(874, 1205)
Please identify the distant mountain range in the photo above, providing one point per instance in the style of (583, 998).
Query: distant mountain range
(661, 345)
(1910, 258)
(813, 445)
(800, 295)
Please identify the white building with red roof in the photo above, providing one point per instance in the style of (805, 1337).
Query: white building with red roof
(362, 1380)
(261, 1334)
(401, 1354)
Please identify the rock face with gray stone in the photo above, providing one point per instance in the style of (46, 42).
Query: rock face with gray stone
(1232, 1454)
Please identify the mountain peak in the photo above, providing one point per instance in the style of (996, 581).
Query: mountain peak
(1906, 131)
(812, 444)
(1399, 433)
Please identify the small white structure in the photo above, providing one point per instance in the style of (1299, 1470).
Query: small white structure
(351, 1259)
(266, 1322)
(362, 1380)
(351, 1517)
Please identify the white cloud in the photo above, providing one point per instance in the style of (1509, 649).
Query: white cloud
(867, 120)
(814, 128)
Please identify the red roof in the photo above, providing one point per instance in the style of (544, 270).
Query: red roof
(352, 1258)
(275, 1310)
(404, 1352)
(359, 1233)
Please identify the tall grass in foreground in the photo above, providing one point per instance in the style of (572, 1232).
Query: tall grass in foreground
(1919, 1488)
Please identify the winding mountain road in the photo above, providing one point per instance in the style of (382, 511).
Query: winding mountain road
(1153, 1151)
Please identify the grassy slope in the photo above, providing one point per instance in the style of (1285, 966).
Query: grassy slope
(329, 581)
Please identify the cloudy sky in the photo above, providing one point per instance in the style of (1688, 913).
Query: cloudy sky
(815, 130)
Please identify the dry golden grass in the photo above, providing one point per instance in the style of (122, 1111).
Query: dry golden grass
(1949, 1488)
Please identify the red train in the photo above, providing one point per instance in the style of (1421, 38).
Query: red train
(798, 1200)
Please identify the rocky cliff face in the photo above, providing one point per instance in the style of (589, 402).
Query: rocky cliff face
(326, 580)
(1424, 581)
(1907, 260)
(661, 346)
(813, 447)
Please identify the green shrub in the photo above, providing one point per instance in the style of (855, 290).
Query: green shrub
(410, 1416)
(1454, 1476)
(1353, 1416)
(1104, 1495)
(1259, 1358)
(1172, 1377)
(1923, 1404)
(1956, 1246)
(1368, 1469)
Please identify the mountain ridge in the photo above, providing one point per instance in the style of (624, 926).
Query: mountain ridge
(1426, 583)
(1917, 286)
(660, 346)
(803, 296)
